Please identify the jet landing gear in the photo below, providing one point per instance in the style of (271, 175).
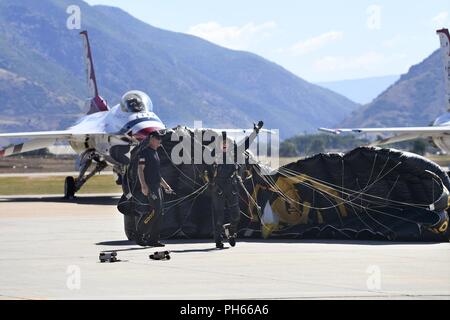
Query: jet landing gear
(71, 185)
(69, 188)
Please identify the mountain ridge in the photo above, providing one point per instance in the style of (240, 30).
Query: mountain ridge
(187, 77)
(416, 99)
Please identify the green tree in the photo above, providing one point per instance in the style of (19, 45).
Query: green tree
(419, 147)
(288, 149)
(317, 146)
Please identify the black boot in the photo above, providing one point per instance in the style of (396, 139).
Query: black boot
(146, 242)
(141, 241)
(156, 244)
(232, 240)
(219, 245)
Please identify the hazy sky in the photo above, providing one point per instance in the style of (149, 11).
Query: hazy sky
(320, 40)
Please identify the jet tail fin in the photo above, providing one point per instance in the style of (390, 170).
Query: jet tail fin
(444, 36)
(96, 103)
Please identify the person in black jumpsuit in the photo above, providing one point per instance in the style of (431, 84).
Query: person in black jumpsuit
(149, 223)
(224, 185)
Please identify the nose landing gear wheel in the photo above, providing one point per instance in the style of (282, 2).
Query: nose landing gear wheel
(69, 188)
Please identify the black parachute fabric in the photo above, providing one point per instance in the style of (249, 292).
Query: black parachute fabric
(368, 193)
(188, 213)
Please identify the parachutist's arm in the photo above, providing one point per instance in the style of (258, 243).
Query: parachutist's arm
(144, 186)
(249, 140)
(166, 186)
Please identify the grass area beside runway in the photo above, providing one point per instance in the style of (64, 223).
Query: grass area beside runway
(54, 185)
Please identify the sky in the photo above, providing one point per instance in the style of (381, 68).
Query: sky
(320, 40)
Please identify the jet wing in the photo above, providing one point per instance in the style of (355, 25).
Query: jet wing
(40, 135)
(419, 131)
(31, 145)
(402, 134)
(39, 140)
(244, 131)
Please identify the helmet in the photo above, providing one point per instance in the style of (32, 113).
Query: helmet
(136, 101)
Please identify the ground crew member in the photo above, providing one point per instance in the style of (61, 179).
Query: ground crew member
(149, 224)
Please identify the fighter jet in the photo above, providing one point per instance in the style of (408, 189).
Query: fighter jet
(103, 136)
(439, 132)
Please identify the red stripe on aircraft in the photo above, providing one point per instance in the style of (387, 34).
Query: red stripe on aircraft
(142, 134)
(445, 31)
(2, 153)
(100, 103)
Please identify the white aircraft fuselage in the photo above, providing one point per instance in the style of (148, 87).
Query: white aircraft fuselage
(104, 136)
(443, 141)
(111, 128)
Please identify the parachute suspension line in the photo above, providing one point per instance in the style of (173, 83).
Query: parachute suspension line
(326, 195)
(370, 216)
(343, 201)
(359, 216)
(292, 201)
(373, 168)
(274, 187)
(357, 205)
(393, 187)
(258, 208)
(353, 192)
(188, 215)
(176, 167)
(255, 202)
(181, 200)
(245, 215)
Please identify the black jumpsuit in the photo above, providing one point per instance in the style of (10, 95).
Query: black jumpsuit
(225, 189)
(225, 194)
(149, 224)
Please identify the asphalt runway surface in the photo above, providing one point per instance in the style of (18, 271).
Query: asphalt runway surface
(49, 249)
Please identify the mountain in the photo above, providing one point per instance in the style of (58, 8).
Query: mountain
(361, 90)
(42, 82)
(416, 99)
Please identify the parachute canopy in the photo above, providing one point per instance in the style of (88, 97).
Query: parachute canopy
(368, 193)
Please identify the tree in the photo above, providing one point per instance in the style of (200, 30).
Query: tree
(317, 146)
(419, 147)
(288, 149)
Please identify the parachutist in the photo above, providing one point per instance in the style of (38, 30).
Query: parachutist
(224, 181)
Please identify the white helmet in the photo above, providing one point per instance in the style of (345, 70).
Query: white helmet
(136, 101)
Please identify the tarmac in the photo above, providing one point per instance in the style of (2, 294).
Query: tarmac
(50, 250)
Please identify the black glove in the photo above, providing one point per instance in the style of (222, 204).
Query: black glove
(258, 127)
